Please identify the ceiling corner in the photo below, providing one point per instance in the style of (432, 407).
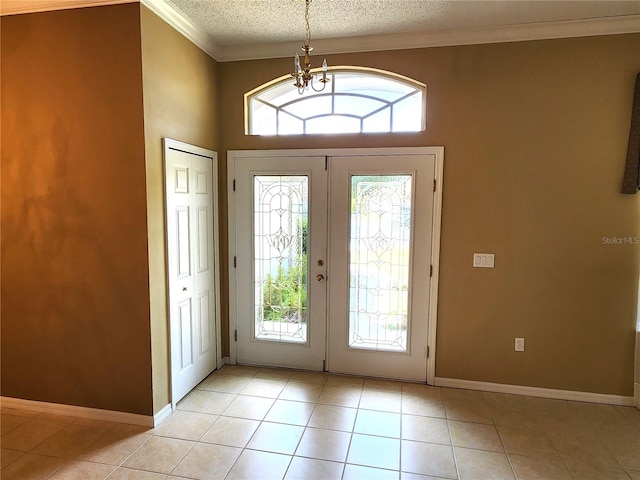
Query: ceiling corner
(186, 27)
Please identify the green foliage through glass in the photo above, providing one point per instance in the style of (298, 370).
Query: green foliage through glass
(285, 294)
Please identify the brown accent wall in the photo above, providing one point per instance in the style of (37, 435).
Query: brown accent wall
(535, 139)
(75, 282)
(180, 102)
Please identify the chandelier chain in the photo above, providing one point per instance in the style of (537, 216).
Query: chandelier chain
(307, 32)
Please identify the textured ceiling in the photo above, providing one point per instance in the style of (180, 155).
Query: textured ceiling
(255, 22)
(231, 30)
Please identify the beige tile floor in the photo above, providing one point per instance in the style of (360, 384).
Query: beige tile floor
(261, 423)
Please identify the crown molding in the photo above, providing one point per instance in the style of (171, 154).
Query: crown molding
(401, 41)
(186, 27)
(441, 38)
(16, 7)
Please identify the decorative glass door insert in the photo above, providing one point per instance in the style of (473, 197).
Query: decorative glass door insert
(379, 261)
(281, 219)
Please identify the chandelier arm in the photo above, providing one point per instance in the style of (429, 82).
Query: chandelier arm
(317, 89)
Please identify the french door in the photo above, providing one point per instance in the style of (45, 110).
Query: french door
(380, 243)
(332, 261)
(281, 244)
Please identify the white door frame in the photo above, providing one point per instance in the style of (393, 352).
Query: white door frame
(167, 145)
(232, 155)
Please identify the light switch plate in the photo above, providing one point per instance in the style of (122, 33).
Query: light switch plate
(484, 260)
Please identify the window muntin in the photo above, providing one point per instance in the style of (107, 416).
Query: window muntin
(357, 100)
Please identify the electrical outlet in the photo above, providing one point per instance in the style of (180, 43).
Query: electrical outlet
(519, 344)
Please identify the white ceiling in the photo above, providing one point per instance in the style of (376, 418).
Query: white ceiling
(245, 29)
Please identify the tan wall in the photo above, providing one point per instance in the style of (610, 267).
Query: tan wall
(75, 294)
(180, 102)
(535, 138)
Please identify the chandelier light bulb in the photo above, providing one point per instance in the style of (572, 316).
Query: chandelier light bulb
(296, 64)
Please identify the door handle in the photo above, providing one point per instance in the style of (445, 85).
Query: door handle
(320, 277)
(184, 289)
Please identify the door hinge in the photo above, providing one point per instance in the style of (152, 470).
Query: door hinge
(235, 335)
(235, 262)
(326, 162)
(435, 184)
(427, 351)
(431, 270)
(324, 365)
(234, 184)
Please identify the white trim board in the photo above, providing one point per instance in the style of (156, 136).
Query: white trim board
(535, 391)
(435, 264)
(184, 26)
(162, 415)
(84, 412)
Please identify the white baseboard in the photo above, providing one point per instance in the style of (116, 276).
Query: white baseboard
(536, 391)
(80, 412)
(225, 361)
(636, 390)
(162, 415)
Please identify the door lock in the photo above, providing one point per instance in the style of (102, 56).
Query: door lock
(320, 277)
(320, 262)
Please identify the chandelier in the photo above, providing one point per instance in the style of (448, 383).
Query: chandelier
(302, 71)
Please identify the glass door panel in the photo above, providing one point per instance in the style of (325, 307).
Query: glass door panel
(281, 220)
(379, 261)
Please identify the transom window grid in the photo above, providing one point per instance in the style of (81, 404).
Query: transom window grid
(357, 100)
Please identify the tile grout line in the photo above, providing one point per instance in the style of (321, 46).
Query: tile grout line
(453, 449)
(578, 413)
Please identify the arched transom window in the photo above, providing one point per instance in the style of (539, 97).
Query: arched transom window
(356, 100)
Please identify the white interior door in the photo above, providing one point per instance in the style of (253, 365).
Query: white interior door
(367, 266)
(193, 302)
(280, 264)
(381, 211)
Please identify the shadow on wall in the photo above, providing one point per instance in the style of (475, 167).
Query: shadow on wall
(72, 280)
